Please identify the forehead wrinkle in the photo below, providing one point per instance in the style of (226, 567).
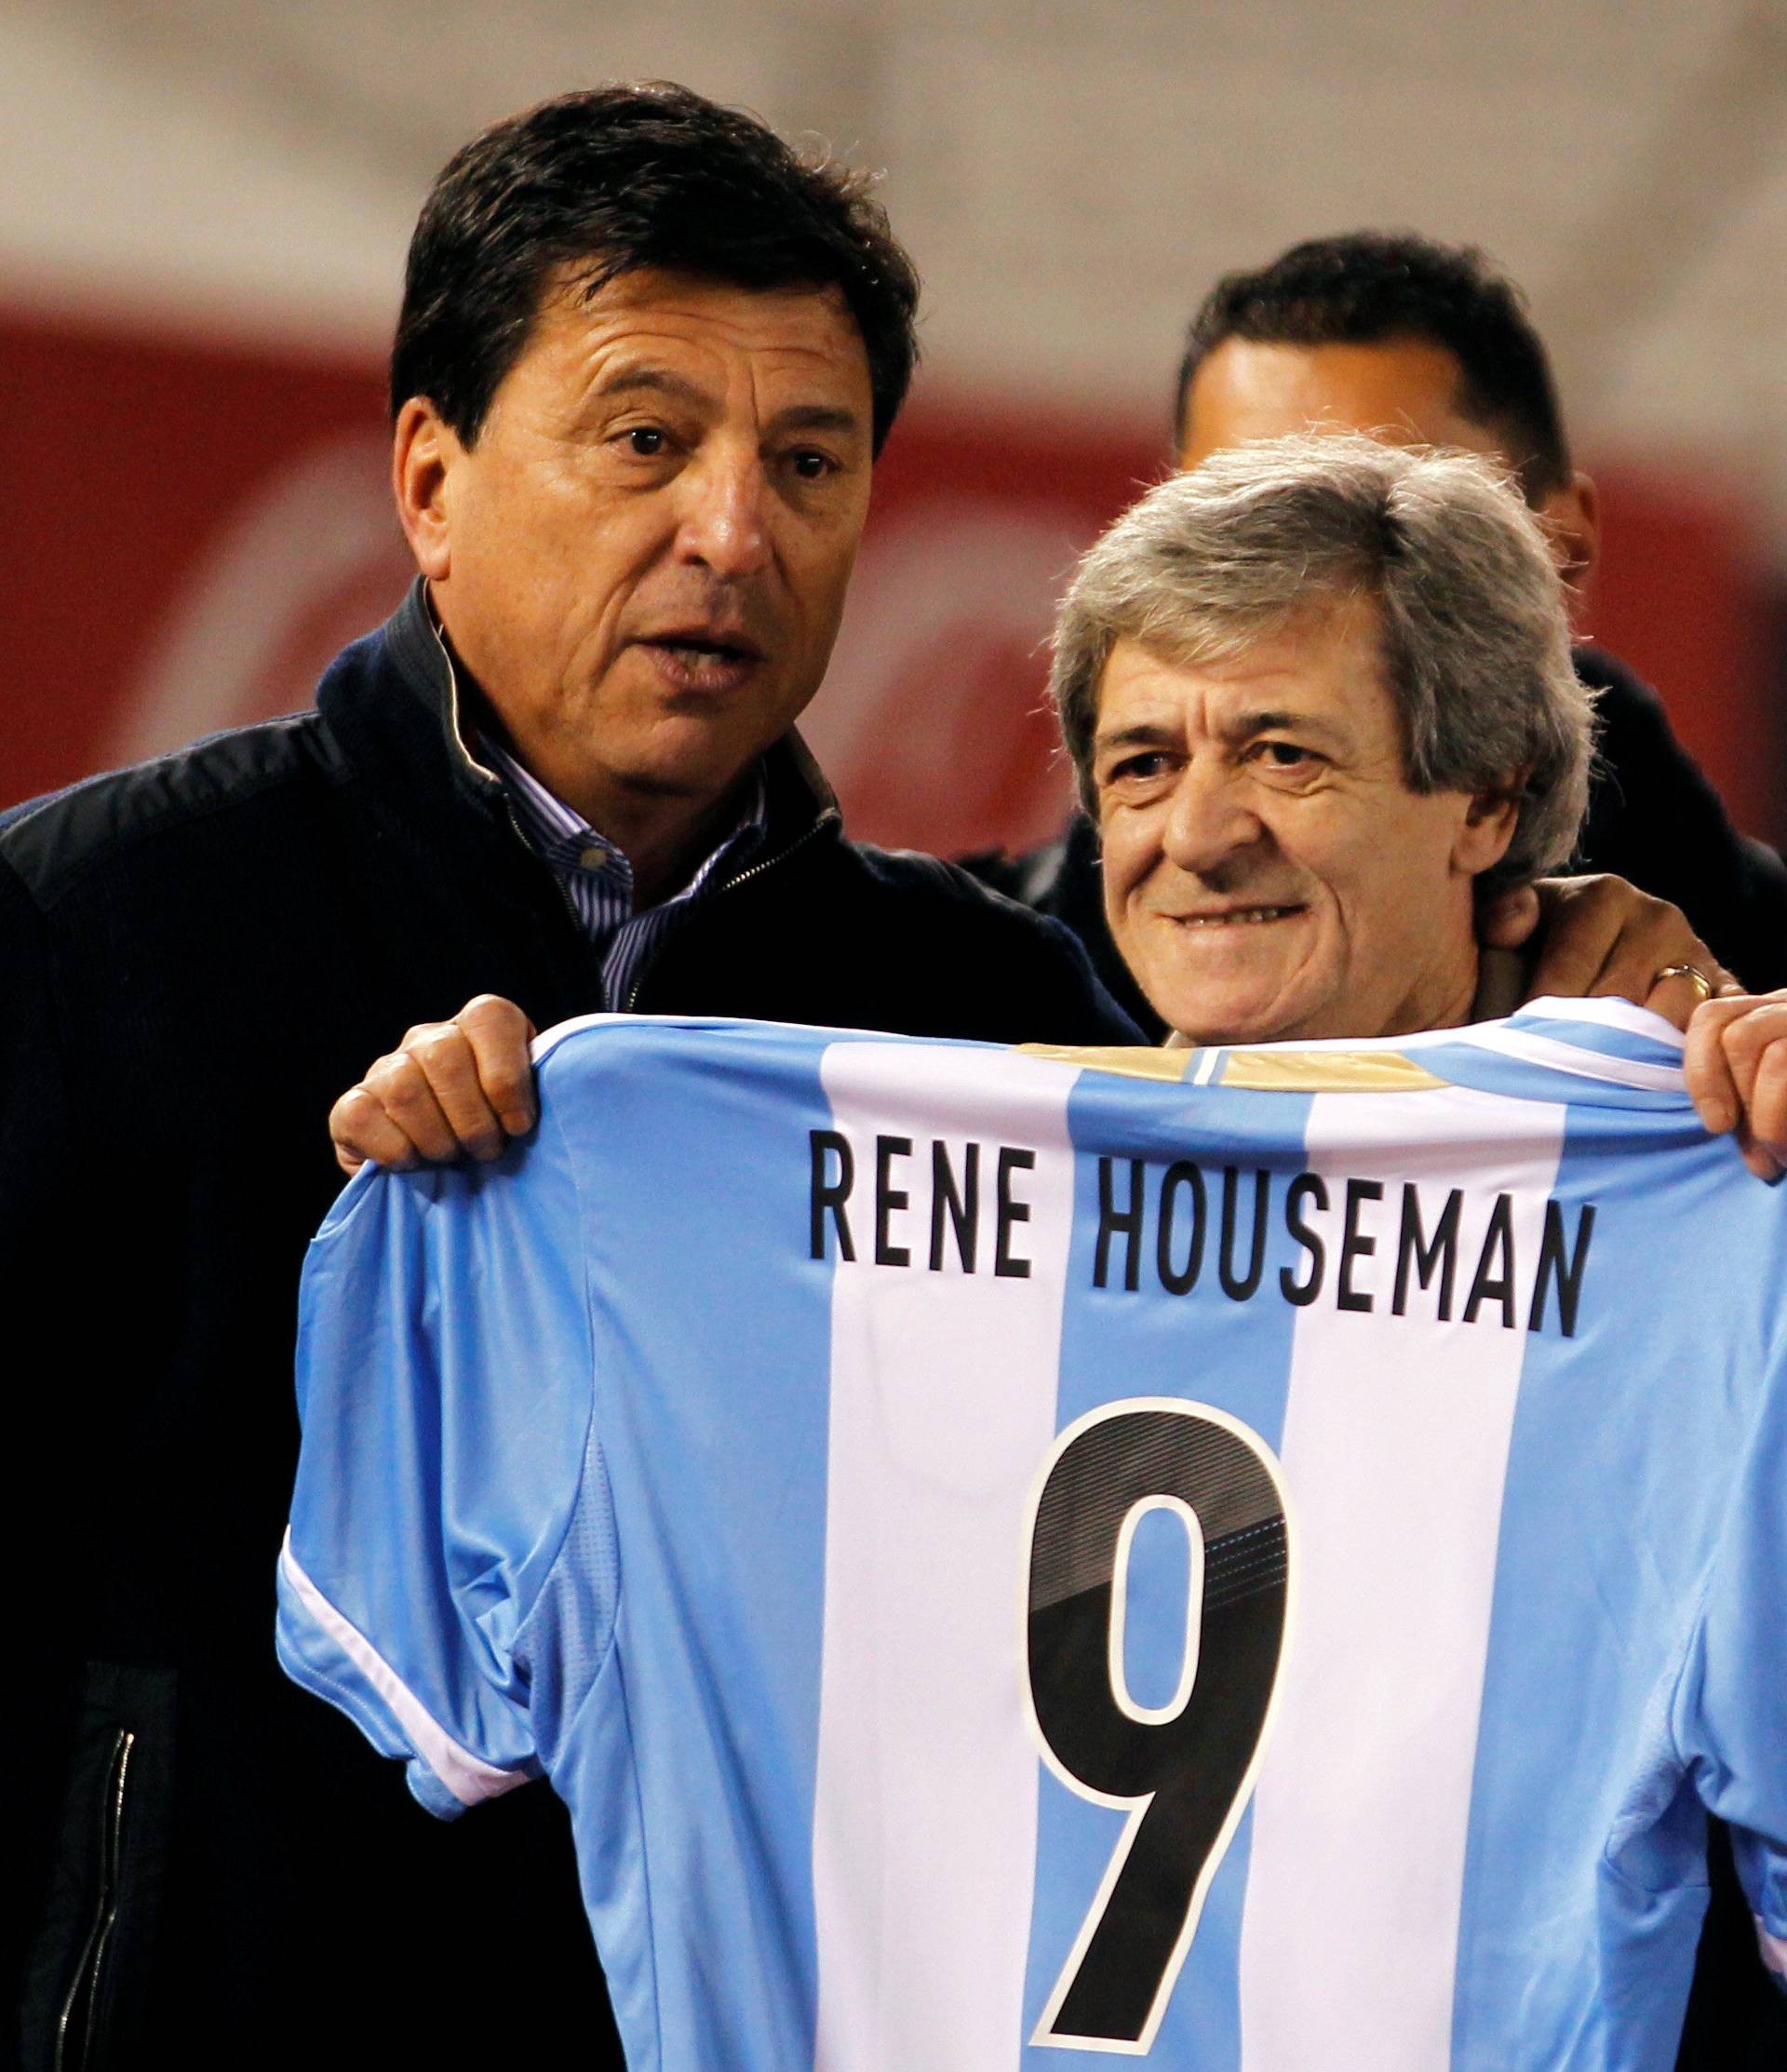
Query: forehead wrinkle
(641, 376)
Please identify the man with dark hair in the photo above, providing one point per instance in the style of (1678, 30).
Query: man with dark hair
(646, 358)
(1415, 341)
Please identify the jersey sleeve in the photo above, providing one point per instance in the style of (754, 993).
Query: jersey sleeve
(1729, 1720)
(443, 1392)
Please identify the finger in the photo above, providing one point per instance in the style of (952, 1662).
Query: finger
(1761, 1161)
(499, 1034)
(1677, 997)
(360, 1130)
(1643, 935)
(445, 1058)
(1768, 1113)
(401, 1088)
(1508, 922)
(1752, 1035)
(1711, 1084)
(1580, 920)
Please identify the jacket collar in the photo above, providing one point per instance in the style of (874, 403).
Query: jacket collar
(798, 800)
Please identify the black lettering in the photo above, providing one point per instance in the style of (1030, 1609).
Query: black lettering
(963, 1209)
(1498, 1246)
(828, 1194)
(1414, 1249)
(1180, 1280)
(1114, 1222)
(888, 1199)
(1006, 1266)
(1551, 1266)
(1238, 1288)
(1305, 1186)
(1354, 1244)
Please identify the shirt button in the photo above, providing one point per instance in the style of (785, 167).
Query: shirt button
(592, 858)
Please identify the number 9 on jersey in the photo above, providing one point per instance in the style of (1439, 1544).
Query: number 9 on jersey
(1184, 1768)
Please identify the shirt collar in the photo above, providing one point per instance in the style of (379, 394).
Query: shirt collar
(561, 836)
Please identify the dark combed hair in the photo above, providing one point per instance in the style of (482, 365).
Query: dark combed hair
(1369, 287)
(600, 182)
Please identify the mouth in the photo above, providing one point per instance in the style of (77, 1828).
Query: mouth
(1237, 917)
(696, 659)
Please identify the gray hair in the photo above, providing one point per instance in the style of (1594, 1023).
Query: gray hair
(1471, 610)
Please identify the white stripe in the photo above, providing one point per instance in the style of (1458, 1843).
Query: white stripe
(470, 1779)
(1395, 1449)
(943, 1402)
(1569, 1057)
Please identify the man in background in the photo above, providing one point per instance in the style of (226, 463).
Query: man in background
(1424, 343)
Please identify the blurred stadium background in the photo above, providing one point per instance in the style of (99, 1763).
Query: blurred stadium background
(204, 205)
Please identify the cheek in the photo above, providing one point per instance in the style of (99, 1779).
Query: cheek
(1395, 871)
(818, 570)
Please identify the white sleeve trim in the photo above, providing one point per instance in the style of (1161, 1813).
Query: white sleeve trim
(1569, 1057)
(470, 1779)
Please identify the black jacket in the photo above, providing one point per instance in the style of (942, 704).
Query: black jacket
(1653, 818)
(199, 954)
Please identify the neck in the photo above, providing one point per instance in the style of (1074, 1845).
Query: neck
(665, 836)
(664, 840)
(1444, 999)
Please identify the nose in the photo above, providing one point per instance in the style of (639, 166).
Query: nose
(1208, 820)
(724, 523)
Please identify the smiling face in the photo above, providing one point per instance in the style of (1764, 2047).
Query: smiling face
(643, 556)
(1269, 873)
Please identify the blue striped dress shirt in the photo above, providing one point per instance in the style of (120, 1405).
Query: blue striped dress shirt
(597, 879)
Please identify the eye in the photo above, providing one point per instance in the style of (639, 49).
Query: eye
(1285, 755)
(1150, 763)
(811, 466)
(1137, 771)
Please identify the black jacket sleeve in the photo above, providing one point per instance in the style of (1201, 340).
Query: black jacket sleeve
(45, 1303)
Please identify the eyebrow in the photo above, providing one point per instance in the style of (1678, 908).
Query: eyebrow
(1145, 734)
(1140, 735)
(659, 381)
(799, 417)
(817, 417)
(1276, 721)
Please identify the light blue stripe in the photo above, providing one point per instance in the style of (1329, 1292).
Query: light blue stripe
(715, 1475)
(1619, 1469)
(1201, 1347)
(1608, 1038)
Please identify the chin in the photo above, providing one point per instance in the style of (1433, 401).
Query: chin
(1204, 1021)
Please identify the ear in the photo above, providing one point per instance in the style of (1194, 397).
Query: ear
(1488, 828)
(1572, 517)
(425, 450)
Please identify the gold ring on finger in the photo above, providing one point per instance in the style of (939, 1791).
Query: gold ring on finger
(1690, 972)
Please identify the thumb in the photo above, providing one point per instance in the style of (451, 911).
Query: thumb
(1508, 922)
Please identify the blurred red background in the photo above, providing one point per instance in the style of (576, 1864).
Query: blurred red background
(188, 532)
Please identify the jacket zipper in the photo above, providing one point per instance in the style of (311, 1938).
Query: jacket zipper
(84, 1988)
(756, 870)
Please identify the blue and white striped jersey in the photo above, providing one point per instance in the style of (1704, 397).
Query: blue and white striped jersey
(1255, 1560)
